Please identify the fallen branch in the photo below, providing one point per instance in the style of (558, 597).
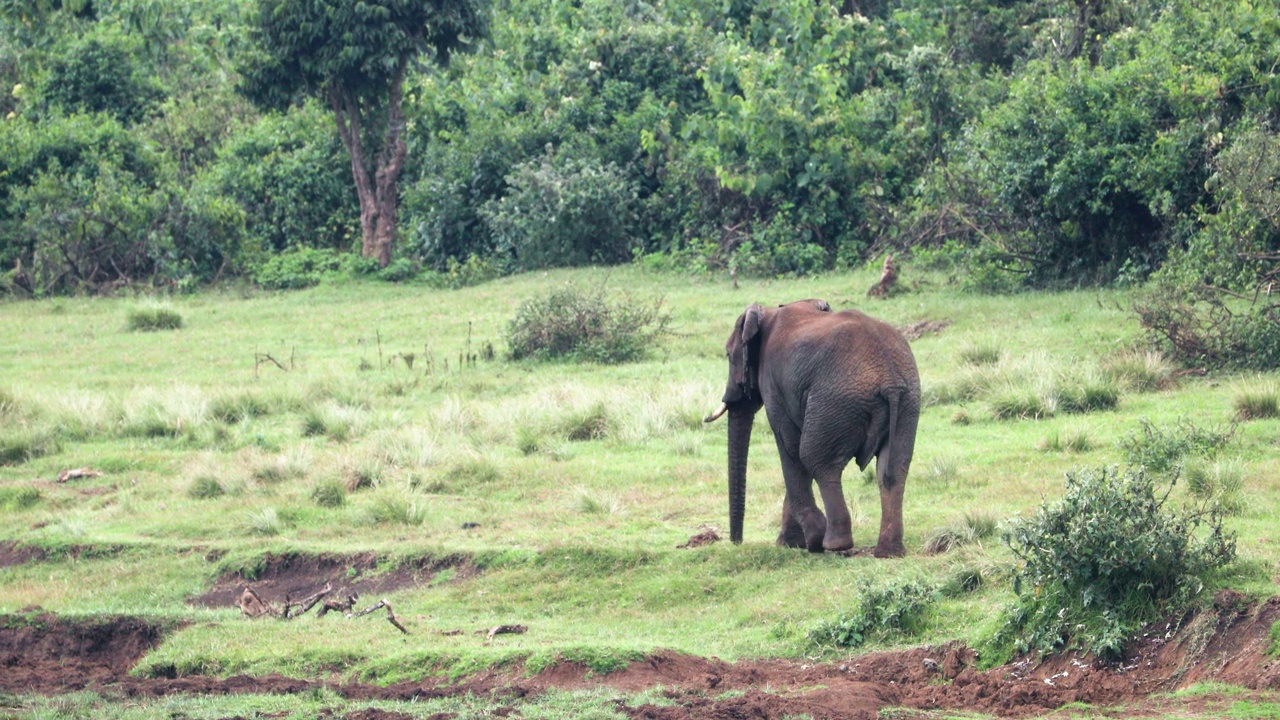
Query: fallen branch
(391, 616)
(305, 604)
(342, 606)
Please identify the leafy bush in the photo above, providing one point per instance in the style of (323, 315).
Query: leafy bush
(1198, 325)
(584, 326)
(296, 268)
(884, 611)
(564, 211)
(102, 71)
(1105, 559)
(154, 316)
(1161, 450)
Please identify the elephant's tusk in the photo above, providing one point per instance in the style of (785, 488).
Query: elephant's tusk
(724, 408)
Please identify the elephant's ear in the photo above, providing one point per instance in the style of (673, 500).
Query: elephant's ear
(750, 329)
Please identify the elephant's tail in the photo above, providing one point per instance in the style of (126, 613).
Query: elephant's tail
(884, 459)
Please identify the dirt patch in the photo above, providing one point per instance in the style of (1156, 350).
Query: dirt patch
(708, 536)
(42, 652)
(1227, 643)
(297, 575)
(917, 330)
(12, 554)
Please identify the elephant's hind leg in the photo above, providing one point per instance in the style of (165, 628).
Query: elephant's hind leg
(839, 534)
(807, 525)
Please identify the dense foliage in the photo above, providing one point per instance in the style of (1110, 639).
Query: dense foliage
(1027, 143)
(1106, 558)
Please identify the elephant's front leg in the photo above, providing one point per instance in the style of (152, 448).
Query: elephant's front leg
(807, 524)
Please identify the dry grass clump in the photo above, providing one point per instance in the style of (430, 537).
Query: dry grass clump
(1139, 371)
(1257, 399)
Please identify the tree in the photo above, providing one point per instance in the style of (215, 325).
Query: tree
(353, 55)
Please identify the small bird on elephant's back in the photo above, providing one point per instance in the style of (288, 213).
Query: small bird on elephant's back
(836, 387)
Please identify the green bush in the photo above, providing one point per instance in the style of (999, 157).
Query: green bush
(564, 211)
(1108, 557)
(584, 326)
(1161, 450)
(102, 70)
(154, 316)
(296, 268)
(881, 611)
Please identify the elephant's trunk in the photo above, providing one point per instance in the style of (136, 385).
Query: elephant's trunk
(740, 422)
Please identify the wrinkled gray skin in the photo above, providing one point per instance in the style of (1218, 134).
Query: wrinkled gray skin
(836, 387)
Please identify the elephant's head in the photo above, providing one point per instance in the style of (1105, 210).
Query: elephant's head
(742, 398)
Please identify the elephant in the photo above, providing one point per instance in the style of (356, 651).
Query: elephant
(836, 386)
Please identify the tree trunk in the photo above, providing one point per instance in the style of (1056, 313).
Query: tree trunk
(379, 194)
(740, 422)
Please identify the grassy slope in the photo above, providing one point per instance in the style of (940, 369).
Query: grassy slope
(578, 538)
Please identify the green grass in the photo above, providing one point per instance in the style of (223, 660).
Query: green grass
(575, 481)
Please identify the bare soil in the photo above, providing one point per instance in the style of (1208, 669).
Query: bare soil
(46, 654)
(297, 575)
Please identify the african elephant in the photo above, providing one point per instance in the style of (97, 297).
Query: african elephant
(836, 386)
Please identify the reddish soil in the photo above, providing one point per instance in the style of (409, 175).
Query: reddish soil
(42, 653)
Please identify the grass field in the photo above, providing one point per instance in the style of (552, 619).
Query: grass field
(213, 454)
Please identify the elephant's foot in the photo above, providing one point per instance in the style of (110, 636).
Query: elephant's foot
(792, 537)
(837, 543)
(890, 550)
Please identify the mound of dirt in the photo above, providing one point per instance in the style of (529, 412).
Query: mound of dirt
(917, 330)
(298, 575)
(1227, 643)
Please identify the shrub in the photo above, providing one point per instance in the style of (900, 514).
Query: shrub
(154, 316)
(296, 268)
(884, 611)
(564, 211)
(1106, 558)
(584, 326)
(1161, 450)
(1205, 327)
